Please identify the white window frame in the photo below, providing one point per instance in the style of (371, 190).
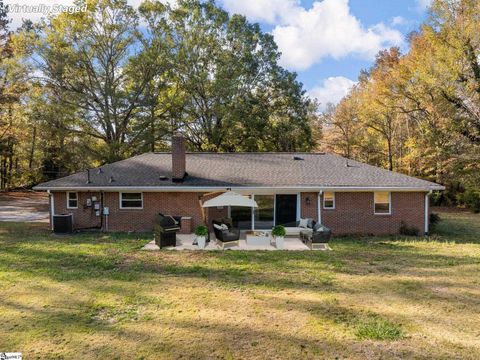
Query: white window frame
(68, 199)
(389, 203)
(120, 196)
(329, 208)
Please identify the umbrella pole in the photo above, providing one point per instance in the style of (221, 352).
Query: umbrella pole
(200, 201)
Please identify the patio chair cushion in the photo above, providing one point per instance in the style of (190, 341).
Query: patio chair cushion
(310, 223)
(318, 227)
(303, 223)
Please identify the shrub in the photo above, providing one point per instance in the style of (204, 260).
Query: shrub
(434, 219)
(378, 329)
(471, 199)
(408, 230)
(201, 230)
(279, 230)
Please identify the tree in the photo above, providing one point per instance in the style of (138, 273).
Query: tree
(12, 85)
(234, 96)
(85, 60)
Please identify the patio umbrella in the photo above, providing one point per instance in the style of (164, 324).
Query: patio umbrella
(230, 198)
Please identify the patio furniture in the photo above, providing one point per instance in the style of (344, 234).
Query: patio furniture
(256, 238)
(224, 236)
(319, 238)
(297, 229)
(165, 230)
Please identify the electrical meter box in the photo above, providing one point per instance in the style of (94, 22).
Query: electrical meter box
(106, 211)
(94, 198)
(89, 202)
(96, 206)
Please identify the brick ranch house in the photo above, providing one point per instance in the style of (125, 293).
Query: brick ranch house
(347, 196)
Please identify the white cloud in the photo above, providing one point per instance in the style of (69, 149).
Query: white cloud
(424, 4)
(332, 90)
(398, 20)
(267, 11)
(327, 29)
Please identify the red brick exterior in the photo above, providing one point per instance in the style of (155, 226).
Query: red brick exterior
(309, 210)
(172, 203)
(178, 157)
(353, 213)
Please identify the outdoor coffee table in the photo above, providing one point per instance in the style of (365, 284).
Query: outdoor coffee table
(258, 238)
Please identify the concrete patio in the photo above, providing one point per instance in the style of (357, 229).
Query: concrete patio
(185, 242)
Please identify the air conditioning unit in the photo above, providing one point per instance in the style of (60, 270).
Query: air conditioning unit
(63, 223)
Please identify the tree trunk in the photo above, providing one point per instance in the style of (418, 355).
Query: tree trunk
(32, 148)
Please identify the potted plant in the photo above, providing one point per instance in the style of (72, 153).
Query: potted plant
(278, 232)
(201, 232)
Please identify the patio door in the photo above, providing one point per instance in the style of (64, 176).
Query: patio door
(264, 214)
(241, 216)
(286, 209)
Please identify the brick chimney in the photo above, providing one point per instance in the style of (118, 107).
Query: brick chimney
(178, 157)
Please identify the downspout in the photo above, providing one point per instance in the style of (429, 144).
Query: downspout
(52, 207)
(427, 213)
(101, 211)
(319, 206)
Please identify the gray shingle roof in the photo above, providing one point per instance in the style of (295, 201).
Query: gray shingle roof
(239, 170)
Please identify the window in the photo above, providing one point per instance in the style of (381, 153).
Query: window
(329, 200)
(131, 200)
(382, 203)
(72, 200)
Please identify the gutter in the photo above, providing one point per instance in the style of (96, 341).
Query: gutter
(236, 188)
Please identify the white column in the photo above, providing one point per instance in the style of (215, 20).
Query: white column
(253, 213)
(299, 206)
(319, 206)
(52, 207)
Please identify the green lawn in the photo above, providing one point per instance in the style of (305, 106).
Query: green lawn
(99, 296)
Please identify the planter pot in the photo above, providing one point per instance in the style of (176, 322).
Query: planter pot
(201, 241)
(279, 242)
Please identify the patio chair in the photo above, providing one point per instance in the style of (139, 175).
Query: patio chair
(319, 238)
(225, 236)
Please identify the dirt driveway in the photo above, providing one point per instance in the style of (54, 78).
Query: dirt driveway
(24, 206)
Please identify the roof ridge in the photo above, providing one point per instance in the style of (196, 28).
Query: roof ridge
(243, 153)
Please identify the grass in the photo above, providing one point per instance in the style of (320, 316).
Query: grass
(378, 329)
(99, 296)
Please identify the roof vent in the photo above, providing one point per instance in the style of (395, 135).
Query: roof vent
(111, 179)
(162, 177)
(297, 158)
(88, 176)
(99, 171)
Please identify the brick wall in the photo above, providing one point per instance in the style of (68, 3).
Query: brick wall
(83, 217)
(178, 157)
(309, 210)
(353, 213)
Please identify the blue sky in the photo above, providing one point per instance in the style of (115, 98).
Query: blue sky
(327, 42)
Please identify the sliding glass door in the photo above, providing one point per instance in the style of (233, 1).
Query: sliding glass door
(272, 210)
(264, 214)
(286, 209)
